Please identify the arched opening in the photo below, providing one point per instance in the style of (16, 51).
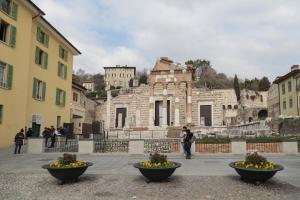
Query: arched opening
(262, 114)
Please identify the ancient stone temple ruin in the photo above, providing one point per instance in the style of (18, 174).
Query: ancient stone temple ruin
(169, 100)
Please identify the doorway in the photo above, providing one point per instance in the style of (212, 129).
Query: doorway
(121, 114)
(158, 121)
(206, 115)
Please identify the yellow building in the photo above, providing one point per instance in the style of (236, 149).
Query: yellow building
(289, 96)
(36, 63)
(119, 76)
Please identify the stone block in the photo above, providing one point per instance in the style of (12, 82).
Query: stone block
(289, 147)
(136, 147)
(35, 145)
(238, 147)
(85, 146)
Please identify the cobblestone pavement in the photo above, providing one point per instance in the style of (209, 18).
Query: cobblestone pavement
(113, 177)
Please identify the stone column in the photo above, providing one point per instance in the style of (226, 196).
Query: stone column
(108, 109)
(189, 103)
(151, 105)
(165, 106)
(177, 103)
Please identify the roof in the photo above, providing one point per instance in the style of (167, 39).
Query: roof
(52, 27)
(119, 67)
(288, 75)
(78, 86)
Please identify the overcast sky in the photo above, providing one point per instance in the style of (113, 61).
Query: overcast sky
(249, 38)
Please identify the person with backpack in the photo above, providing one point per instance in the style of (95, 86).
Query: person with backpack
(188, 140)
(19, 141)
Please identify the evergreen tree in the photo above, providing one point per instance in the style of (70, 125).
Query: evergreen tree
(264, 84)
(237, 88)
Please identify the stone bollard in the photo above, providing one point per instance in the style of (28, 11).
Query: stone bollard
(238, 147)
(35, 145)
(136, 147)
(289, 147)
(85, 146)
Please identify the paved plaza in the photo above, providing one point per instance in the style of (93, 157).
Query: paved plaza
(113, 177)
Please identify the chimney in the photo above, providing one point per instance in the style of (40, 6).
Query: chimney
(294, 67)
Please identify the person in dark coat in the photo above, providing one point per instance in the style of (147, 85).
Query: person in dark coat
(19, 141)
(52, 135)
(29, 133)
(188, 143)
(46, 135)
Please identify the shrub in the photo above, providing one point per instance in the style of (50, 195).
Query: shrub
(157, 160)
(67, 160)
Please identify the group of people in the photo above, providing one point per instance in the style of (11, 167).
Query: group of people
(187, 138)
(51, 133)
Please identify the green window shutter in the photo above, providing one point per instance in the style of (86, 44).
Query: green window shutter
(64, 102)
(9, 76)
(14, 12)
(45, 60)
(38, 34)
(37, 55)
(47, 40)
(60, 51)
(65, 72)
(44, 91)
(34, 88)
(57, 96)
(59, 69)
(13, 35)
(66, 56)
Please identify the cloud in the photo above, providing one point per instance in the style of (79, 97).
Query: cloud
(248, 38)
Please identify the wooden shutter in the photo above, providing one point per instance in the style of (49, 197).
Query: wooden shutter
(66, 56)
(60, 52)
(37, 55)
(44, 91)
(34, 88)
(38, 34)
(13, 35)
(65, 72)
(57, 96)
(14, 12)
(9, 80)
(45, 60)
(64, 99)
(59, 69)
(47, 40)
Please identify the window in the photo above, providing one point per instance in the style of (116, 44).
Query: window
(284, 105)
(283, 88)
(7, 33)
(1, 113)
(291, 103)
(60, 97)
(39, 89)
(63, 54)
(224, 107)
(62, 70)
(41, 58)
(9, 7)
(75, 97)
(236, 107)
(229, 107)
(58, 121)
(289, 86)
(6, 75)
(42, 37)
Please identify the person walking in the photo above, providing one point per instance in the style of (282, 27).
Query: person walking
(188, 143)
(19, 141)
(182, 136)
(46, 135)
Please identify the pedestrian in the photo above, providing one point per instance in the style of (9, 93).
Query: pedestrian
(67, 135)
(29, 133)
(19, 141)
(182, 136)
(188, 143)
(46, 135)
(52, 135)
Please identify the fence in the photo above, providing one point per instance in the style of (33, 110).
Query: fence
(103, 146)
(62, 145)
(162, 145)
(264, 147)
(212, 148)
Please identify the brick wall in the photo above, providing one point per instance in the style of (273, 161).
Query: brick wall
(264, 147)
(213, 148)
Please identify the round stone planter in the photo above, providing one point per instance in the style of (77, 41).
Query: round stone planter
(157, 174)
(67, 173)
(256, 176)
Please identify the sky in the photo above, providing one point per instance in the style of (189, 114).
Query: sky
(250, 38)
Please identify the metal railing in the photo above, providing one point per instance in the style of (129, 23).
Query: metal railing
(104, 146)
(62, 145)
(162, 145)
